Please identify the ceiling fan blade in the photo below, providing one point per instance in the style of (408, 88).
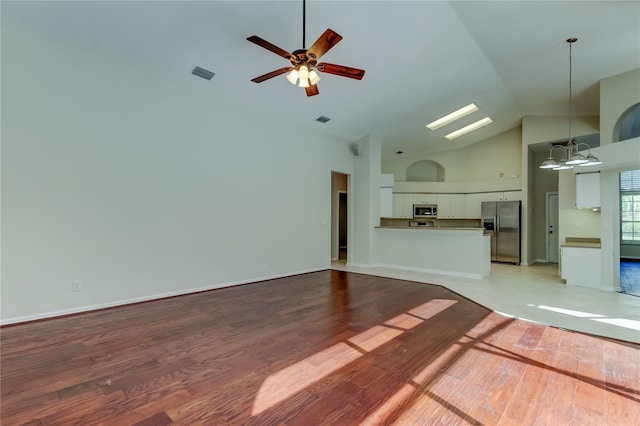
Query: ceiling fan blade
(272, 47)
(271, 74)
(322, 45)
(312, 90)
(341, 70)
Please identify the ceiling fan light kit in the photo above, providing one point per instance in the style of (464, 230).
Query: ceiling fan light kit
(304, 62)
(571, 155)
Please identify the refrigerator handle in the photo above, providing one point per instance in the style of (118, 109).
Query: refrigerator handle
(496, 220)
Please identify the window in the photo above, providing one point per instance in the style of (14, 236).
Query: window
(630, 206)
(628, 125)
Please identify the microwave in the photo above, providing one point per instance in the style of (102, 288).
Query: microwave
(425, 210)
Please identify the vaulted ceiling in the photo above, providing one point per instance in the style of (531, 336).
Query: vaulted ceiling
(423, 59)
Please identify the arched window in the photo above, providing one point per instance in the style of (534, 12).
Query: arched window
(628, 125)
(425, 171)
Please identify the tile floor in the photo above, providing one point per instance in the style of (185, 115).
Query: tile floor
(536, 293)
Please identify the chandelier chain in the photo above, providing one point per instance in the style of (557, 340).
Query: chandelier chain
(571, 41)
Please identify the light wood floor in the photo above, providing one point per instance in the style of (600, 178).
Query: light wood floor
(329, 347)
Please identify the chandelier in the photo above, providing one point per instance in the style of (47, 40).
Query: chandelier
(571, 155)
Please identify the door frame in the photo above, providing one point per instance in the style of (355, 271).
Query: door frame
(337, 236)
(547, 224)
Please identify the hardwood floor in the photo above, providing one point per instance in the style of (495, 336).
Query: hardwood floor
(630, 277)
(324, 348)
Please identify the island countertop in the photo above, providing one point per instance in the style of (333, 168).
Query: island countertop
(581, 242)
(432, 228)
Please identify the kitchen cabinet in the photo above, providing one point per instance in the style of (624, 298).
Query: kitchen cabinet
(473, 202)
(581, 266)
(386, 202)
(425, 198)
(403, 203)
(588, 190)
(403, 206)
(451, 206)
(511, 196)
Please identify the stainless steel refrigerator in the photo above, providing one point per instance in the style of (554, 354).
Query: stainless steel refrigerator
(502, 220)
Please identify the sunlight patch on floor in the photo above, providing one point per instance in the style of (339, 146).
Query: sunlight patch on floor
(282, 385)
(620, 322)
(383, 415)
(573, 313)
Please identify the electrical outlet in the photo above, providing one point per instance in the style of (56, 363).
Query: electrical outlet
(75, 286)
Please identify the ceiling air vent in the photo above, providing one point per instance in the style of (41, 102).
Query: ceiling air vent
(201, 72)
(323, 119)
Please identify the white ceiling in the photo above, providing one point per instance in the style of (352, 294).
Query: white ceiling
(422, 58)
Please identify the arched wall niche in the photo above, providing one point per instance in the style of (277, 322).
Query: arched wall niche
(628, 124)
(425, 171)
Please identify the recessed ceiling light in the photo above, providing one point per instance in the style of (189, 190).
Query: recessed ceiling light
(470, 128)
(323, 119)
(465, 110)
(399, 152)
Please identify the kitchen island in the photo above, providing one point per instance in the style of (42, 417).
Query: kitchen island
(464, 252)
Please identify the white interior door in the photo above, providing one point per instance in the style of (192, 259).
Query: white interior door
(552, 227)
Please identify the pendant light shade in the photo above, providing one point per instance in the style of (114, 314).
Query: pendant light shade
(549, 163)
(571, 154)
(577, 158)
(591, 161)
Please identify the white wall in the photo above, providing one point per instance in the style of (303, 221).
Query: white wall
(539, 129)
(543, 182)
(483, 161)
(138, 186)
(364, 201)
(574, 222)
(617, 94)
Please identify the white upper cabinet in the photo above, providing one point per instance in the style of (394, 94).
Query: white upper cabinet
(588, 190)
(473, 203)
(403, 206)
(425, 199)
(511, 196)
(451, 206)
(386, 202)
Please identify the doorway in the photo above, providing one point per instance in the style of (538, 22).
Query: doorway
(552, 227)
(342, 225)
(339, 216)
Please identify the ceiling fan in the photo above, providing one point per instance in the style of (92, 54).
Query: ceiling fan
(304, 62)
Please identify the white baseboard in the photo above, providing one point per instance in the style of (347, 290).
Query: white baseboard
(413, 269)
(430, 271)
(89, 308)
(360, 265)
